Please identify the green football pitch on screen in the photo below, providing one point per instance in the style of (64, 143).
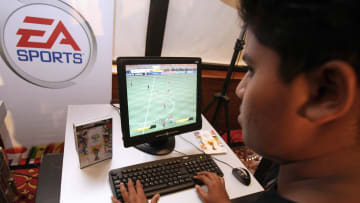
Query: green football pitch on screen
(159, 102)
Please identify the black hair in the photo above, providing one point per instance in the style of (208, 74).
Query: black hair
(306, 34)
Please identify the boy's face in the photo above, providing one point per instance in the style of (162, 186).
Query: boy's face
(269, 108)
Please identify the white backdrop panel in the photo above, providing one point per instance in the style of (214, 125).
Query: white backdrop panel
(203, 28)
(36, 115)
(130, 25)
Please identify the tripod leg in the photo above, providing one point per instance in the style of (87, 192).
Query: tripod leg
(227, 122)
(209, 105)
(216, 112)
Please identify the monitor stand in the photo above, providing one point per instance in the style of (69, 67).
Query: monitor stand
(158, 147)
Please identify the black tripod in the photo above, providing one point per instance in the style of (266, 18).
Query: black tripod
(221, 96)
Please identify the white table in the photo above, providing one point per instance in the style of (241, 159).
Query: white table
(91, 184)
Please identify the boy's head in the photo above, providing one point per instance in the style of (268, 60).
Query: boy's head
(306, 34)
(301, 92)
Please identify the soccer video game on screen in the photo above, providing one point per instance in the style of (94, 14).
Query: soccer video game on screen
(160, 96)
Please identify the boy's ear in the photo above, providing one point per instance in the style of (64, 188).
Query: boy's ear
(332, 91)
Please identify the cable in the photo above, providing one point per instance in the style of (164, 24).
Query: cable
(111, 103)
(223, 162)
(203, 152)
(180, 152)
(117, 108)
(192, 144)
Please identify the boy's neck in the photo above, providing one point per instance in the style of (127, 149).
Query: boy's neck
(331, 176)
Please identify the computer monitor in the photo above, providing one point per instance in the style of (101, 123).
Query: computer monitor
(160, 97)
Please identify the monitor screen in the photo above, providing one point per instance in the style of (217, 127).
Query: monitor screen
(159, 97)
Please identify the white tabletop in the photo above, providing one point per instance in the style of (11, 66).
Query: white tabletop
(91, 184)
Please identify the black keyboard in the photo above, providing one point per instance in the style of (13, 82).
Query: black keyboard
(164, 176)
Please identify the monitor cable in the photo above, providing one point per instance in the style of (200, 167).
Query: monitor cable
(112, 104)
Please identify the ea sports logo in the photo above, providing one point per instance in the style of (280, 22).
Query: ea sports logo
(48, 45)
(59, 29)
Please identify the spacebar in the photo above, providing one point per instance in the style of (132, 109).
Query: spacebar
(170, 189)
(155, 187)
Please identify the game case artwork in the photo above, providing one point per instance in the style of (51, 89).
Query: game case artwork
(93, 141)
(209, 142)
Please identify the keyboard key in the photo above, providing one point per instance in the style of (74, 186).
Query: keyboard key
(163, 176)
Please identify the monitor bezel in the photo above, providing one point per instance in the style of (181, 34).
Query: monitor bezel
(163, 134)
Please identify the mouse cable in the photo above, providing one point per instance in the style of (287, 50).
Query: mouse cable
(211, 157)
(180, 152)
(203, 152)
(222, 162)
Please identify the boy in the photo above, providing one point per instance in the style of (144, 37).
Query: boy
(300, 100)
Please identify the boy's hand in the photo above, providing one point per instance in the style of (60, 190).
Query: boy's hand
(134, 195)
(216, 188)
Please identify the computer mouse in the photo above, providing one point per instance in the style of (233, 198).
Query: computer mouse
(242, 175)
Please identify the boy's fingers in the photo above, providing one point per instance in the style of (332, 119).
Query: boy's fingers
(155, 198)
(114, 200)
(131, 187)
(205, 173)
(203, 195)
(124, 192)
(139, 189)
(205, 179)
